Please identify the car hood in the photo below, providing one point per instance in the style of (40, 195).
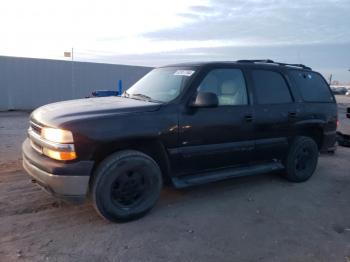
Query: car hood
(56, 114)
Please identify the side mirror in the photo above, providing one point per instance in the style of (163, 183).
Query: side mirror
(206, 99)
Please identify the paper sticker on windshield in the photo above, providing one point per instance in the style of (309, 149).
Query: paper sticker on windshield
(183, 73)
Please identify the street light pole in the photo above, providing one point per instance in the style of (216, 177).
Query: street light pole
(330, 79)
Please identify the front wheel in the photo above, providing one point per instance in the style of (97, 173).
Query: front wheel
(126, 186)
(302, 159)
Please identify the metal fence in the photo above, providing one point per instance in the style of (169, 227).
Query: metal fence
(26, 83)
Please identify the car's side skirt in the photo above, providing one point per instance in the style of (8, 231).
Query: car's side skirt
(226, 173)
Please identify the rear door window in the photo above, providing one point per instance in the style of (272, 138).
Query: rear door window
(270, 87)
(312, 86)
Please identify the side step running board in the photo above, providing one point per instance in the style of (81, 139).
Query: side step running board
(227, 173)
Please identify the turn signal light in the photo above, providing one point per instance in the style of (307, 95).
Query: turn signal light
(59, 155)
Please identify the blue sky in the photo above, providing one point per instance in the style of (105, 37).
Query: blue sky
(156, 32)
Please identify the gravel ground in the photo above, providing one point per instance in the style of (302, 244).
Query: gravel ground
(260, 218)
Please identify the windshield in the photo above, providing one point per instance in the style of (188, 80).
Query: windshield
(160, 85)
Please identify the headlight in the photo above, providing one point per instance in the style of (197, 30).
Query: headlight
(57, 135)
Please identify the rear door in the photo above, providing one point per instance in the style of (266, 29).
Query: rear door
(275, 113)
(318, 104)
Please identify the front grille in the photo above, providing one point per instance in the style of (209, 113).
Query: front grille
(35, 127)
(36, 147)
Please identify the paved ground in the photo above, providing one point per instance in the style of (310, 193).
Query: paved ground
(261, 218)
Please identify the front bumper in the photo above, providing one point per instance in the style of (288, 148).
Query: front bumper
(343, 139)
(68, 181)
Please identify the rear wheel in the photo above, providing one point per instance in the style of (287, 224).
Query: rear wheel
(302, 159)
(126, 186)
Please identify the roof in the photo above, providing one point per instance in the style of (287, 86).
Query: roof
(265, 62)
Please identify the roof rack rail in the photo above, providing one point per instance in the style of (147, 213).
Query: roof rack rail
(295, 65)
(269, 61)
(255, 61)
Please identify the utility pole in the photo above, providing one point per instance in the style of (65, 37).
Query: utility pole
(73, 80)
(71, 55)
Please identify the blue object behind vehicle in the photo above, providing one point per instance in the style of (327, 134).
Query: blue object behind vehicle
(103, 93)
(120, 87)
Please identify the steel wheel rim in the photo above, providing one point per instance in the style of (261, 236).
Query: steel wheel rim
(129, 189)
(303, 159)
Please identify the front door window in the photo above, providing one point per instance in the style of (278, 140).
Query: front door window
(228, 84)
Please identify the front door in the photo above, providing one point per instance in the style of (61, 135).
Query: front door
(222, 136)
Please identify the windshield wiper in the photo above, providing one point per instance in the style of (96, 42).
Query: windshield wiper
(145, 97)
(125, 94)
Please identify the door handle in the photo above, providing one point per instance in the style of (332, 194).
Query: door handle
(248, 118)
(292, 115)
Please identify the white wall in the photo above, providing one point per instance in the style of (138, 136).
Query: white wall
(27, 83)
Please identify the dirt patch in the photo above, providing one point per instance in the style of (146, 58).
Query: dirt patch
(260, 218)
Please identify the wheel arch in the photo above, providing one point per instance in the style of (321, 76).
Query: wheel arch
(149, 146)
(313, 130)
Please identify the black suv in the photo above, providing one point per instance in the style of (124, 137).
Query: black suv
(184, 124)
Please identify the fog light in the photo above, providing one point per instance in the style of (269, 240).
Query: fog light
(59, 155)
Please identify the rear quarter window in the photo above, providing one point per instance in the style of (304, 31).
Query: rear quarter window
(312, 86)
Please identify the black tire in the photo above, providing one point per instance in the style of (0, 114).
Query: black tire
(301, 160)
(126, 186)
